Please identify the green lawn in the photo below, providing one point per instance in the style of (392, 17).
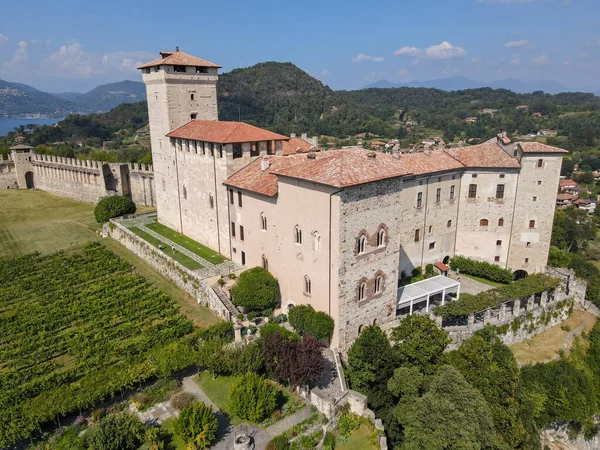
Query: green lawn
(179, 257)
(484, 281)
(186, 242)
(35, 221)
(218, 391)
(361, 440)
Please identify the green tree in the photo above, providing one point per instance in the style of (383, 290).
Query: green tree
(113, 206)
(252, 398)
(196, 426)
(490, 367)
(371, 363)
(419, 342)
(306, 320)
(572, 229)
(116, 432)
(256, 290)
(450, 415)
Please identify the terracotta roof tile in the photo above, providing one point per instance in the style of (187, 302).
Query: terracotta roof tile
(567, 183)
(291, 147)
(178, 58)
(537, 147)
(224, 132)
(565, 197)
(253, 178)
(486, 155)
(436, 161)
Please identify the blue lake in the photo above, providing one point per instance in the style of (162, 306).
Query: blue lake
(7, 125)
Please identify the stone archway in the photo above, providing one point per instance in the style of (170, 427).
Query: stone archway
(29, 180)
(446, 259)
(519, 274)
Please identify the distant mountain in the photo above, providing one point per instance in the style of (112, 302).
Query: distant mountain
(107, 96)
(462, 83)
(21, 100)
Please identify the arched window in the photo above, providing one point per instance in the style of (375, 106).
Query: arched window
(192, 97)
(381, 237)
(316, 242)
(500, 222)
(307, 285)
(449, 224)
(362, 290)
(483, 223)
(378, 284)
(265, 262)
(263, 222)
(360, 328)
(297, 235)
(362, 244)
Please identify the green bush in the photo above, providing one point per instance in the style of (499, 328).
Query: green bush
(197, 425)
(116, 431)
(220, 330)
(252, 398)
(481, 269)
(255, 290)
(271, 328)
(429, 270)
(267, 312)
(306, 320)
(349, 423)
(329, 441)
(113, 206)
(278, 443)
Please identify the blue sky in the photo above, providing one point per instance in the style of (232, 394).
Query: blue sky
(74, 45)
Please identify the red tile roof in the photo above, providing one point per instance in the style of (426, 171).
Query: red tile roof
(536, 147)
(178, 58)
(224, 132)
(486, 155)
(291, 147)
(567, 183)
(436, 161)
(443, 267)
(565, 197)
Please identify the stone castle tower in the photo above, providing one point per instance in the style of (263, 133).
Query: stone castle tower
(180, 88)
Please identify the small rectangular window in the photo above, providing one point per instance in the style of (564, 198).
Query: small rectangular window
(243, 258)
(240, 199)
(528, 244)
(532, 224)
(535, 199)
(430, 229)
(419, 199)
(179, 69)
(232, 229)
(539, 182)
(431, 245)
(540, 163)
(500, 191)
(501, 175)
(498, 242)
(496, 259)
(474, 175)
(439, 179)
(452, 192)
(526, 260)
(438, 195)
(241, 232)
(231, 196)
(201, 69)
(472, 191)
(417, 235)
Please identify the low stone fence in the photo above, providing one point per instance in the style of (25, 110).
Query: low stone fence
(186, 279)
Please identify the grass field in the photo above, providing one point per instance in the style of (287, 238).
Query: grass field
(186, 242)
(484, 280)
(218, 391)
(545, 346)
(360, 440)
(177, 256)
(35, 221)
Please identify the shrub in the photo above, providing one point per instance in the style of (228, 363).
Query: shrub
(252, 398)
(220, 330)
(278, 443)
(246, 359)
(182, 400)
(98, 414)
(252, 315)
(329, 441)
(481, 269)
(349, 423)
(416, 272)
(122, 431)
(566, 328)
(197, 425)
(271, 328)
(306, 320)
(113, 206)
(279, 319)
(267, 312)
(255, 290)
(429, 270)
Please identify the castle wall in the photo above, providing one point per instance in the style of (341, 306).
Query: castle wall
(486, 242)
(535, 201)
(8, 173)
(141, 184)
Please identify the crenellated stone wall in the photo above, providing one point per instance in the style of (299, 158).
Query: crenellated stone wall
(8, 174)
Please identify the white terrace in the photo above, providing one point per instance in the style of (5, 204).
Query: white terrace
(420, 297)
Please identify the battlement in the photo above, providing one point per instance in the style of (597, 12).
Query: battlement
(74, 162)
(143, 168)
(7, 158)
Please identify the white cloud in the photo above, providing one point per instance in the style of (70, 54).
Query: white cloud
(445, 50)
(517, 44)
(3, 39)
(72, 61)
(325, 73)
(542, 59)
(361, 57)
(408, 51)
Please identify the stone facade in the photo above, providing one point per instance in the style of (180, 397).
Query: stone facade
(83, 180)
(8, 174)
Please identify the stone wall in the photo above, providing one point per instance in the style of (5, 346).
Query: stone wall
(8, 175)
(187, 280)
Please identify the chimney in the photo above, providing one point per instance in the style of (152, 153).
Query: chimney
(426, 151)
(311, 156)
(176, 49)
(304, 136)
(396, 154)
(372, 155)
(264, 163)
(292, 135)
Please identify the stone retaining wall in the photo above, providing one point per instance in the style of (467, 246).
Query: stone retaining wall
(186, 279)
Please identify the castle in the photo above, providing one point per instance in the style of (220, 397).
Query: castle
(340, 229)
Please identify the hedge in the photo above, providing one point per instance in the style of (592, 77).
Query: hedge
(255, 290)
(481, 269)
(523, 288)
(113, 206)
(306, 320)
